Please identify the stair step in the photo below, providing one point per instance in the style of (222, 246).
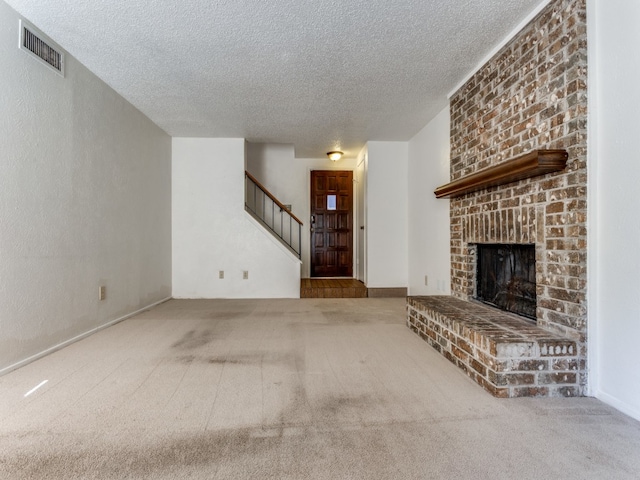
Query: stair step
(332, 288)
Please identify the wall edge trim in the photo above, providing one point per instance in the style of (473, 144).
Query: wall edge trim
(618, 404)
(59, 346)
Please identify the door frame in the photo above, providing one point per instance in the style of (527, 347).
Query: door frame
(360, 219)
(354, 220)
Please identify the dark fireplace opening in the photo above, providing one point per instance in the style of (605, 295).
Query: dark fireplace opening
(506, 277)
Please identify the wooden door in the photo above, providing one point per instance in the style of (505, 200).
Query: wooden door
(331, 223)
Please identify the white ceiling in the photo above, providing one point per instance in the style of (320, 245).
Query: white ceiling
(319, 74)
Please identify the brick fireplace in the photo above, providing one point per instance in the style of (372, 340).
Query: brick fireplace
(531, 95)
(506, 277)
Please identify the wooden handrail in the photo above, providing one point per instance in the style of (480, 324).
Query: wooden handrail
(534, 163)
(268, 194)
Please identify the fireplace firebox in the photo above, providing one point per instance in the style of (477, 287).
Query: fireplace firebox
(506, 277)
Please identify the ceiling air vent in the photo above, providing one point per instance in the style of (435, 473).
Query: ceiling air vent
(41, 48)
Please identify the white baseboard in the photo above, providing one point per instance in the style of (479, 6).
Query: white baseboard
(618, 405)
(50, 350)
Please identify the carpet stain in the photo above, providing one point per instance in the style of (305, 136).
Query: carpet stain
(189, 359)
(194, 339)
(158, 458)
(222, 361)
(284, 358)
(346, 406)
(229, 315)
(244, 453)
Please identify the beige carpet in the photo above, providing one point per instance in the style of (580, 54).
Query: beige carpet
(288, 389)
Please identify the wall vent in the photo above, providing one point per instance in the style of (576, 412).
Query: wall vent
(41, 48)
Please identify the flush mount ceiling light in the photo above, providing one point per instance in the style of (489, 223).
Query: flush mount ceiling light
(335, 155)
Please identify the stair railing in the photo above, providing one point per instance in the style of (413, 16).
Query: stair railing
(269, 211)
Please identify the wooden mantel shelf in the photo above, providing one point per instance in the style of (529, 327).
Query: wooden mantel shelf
(532, 164)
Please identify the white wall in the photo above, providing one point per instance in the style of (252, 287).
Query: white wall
(84, 201)
(429, 233)
(289, 179)
(275, 166)
(212, 231)
(614, 203)
(386, 224)
(360, 184)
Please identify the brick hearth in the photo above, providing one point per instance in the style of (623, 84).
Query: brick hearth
(507, 355)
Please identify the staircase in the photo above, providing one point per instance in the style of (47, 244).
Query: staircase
(272, 214)
(278, 219)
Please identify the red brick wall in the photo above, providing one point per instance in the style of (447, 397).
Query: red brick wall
(530, 95)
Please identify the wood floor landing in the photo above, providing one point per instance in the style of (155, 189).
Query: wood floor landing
(332, 288)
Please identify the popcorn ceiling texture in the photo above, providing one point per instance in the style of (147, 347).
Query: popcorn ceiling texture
(321, 75)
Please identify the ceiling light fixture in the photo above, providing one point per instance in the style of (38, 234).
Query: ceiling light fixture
(335, 155)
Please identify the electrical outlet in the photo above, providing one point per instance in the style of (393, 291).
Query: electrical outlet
(221, 274)
(426, 280)
(245, 275)
(102, 292)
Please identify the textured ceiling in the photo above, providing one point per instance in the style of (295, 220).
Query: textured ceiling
(321, 74)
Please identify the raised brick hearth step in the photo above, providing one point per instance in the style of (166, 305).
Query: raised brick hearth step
(507, 355)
